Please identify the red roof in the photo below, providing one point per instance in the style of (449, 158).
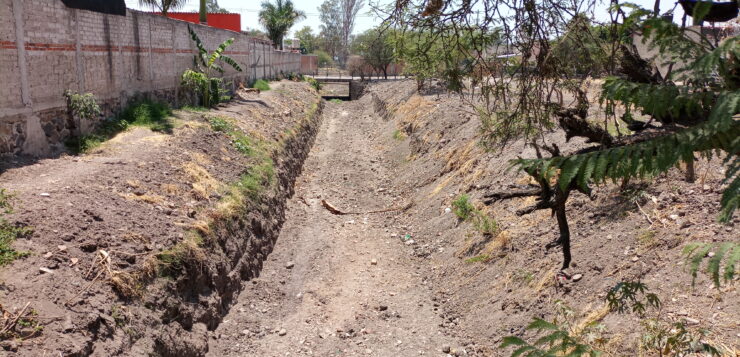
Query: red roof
(231, 22)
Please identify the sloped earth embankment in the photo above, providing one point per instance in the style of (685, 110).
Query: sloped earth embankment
(416, 280)
(140, 247)
(493, 286)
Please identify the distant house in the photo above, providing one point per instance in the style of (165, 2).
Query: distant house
(227, 21)
(292, 45)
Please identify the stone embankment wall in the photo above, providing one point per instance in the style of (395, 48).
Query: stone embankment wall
(47, 48)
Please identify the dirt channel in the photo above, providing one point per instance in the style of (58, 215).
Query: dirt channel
(410, 279)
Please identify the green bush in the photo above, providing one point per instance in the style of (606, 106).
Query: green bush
(220, 124)
(262, 85)
(142, 113)
(462, 207)
(9, 232)
(314, 83)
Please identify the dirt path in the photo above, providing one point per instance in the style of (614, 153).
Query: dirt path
(337, 285)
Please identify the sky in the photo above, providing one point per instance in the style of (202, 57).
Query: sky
(250, 8)
(365, 19)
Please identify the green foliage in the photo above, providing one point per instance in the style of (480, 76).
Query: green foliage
(191, 108)
(478, 259)
(5, 204)
(335, 101)
(314, 83)
(462, 207)
(652, 157)
(399, 135)
(445, 54)
(728, 252)
(277, 18)
(465, 211)
(83, 106)
(325, 60)
(376, 48)
(674, 339)
(556, 341)
(309, 41)
(628, 295)
(220, 124)
(485, 224)
(262, 85)
(201, 80)
(582, 50)
(142, 113)
(164, 6)
(8, 232)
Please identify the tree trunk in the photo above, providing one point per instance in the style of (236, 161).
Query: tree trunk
(690, 173)
(203, 12)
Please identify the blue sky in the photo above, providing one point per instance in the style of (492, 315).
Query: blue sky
(365, 20)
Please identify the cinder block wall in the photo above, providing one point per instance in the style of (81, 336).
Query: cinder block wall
(47, 48)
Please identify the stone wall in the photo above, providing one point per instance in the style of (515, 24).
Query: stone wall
(47, 48)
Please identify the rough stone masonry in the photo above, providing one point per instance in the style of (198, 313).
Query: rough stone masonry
(47, 48)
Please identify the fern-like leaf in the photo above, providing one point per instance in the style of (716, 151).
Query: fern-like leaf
(697, 252)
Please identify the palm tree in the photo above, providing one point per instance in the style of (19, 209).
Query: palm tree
(163, 5)
(278, 18)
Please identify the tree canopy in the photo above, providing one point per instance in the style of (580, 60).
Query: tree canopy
(522, 66)
(164, 6)
(277, 18)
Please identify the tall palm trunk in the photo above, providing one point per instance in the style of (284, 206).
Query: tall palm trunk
(203, 15)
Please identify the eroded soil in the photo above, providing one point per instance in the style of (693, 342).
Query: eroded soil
(414, 279)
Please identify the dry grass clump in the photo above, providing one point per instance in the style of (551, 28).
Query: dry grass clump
(202, 183)
(147, 197)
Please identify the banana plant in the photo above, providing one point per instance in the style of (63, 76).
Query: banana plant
(202, 79)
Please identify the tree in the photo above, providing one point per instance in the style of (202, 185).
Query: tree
(694, 105)
(256, 33)
(309, 42)
(331, 27)
(203, 12)
(349, 11)
(213, 8)
(376, 49)
(164, 6)
(277, 19)
(201, 80)
(337, 23)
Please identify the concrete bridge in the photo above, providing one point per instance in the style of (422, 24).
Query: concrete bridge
(354, 85)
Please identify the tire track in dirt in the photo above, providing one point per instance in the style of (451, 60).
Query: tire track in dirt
(337, 285)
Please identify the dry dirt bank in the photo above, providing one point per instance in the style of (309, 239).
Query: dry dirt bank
(140, 247)
(511, 277)
(403, 283)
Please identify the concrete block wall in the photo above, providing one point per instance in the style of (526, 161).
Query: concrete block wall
(47, 48)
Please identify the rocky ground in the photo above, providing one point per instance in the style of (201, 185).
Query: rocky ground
(421, 282)
(398, 274)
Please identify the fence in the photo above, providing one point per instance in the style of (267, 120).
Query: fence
(47, 48)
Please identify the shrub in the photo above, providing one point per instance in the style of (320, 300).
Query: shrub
(262, 85)
(314, 83)
(201, 80)
(143, 113)
(9, 232)
(462, 207)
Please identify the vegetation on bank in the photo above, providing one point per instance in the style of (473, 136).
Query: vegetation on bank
(236, 199)
(262, 85)
(142, 113)
(9, 232)
(466, 211)
(201, 81)
(527, 75)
